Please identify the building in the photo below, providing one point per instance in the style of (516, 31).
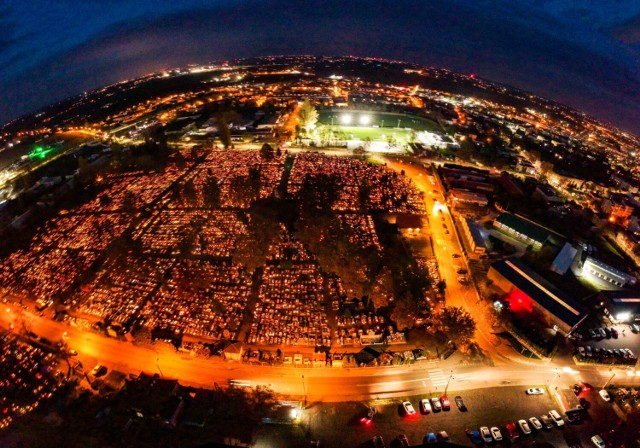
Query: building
(409, 222)
(473, 235)
(466, 197)
(527, 291)
(600, 273)
(525, 231)
(621, 306)
(564, 259)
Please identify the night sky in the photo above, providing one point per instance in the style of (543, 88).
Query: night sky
(586, 56)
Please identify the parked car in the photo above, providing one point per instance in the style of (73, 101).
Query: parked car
(446, 405)
(474, 435)
(442, 436)
(635, 328)
(593, 334)
(581, 351)
(556, 418)
(535, 423)
(435, 403)
(535, 391)
(603, 334)
(546, 421)
(378, 442)
(512, 431)
(588, 351)
(425, 406)
(607, 333)
(597, 441)
(404, 442)
(614, 332)
(460, 403)
(429, 438)
(367, 418)
(496, 434)
(574, 417)
(98, 370)
(486, 434)
(524, 427)
(408, 408)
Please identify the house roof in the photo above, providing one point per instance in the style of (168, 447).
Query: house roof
(558, 303)
(525, 227)
(407, 221)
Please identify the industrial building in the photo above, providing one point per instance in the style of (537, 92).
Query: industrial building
(473, 235)
(526, 231)
(528, 291)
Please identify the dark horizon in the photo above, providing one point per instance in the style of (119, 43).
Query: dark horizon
(587, 59)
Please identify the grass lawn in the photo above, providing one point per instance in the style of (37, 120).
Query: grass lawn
(384, 120)
(375, 134)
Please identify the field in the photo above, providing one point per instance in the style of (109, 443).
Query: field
(377, 126)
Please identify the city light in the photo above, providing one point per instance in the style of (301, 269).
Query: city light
(364, 120)
(346, 118)
(623, 317)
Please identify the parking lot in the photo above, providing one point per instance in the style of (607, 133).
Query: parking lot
(339, 425)
(620, 339)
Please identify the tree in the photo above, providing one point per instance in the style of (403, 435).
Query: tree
(318, 193)
(211, 192)
(84, 169)
(223, 119)
(266, 152)
(457, 324)
(308, 116)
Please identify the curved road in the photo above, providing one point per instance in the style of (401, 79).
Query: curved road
(334, 384)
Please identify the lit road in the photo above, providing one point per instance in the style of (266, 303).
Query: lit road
(335, 384)
(326, 384)
(444, 246)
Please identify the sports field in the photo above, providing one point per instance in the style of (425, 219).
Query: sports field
(377, 126)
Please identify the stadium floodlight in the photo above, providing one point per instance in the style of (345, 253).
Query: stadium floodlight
(364, 120)
(346, 118)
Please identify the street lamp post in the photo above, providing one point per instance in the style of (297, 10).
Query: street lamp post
(448, 381)
(608, 381)
(158, 366)
(398, 123)
(304, 390)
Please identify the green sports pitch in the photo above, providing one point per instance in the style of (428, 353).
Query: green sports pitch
(377, 126)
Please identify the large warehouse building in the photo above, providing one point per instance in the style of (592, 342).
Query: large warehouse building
(527, 291)
(526, 231)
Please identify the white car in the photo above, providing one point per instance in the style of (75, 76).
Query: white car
(486, 434)
(425, 406)
(597, 441)
(535, 391)
(437, 406)
(581, 351)
(556, 417)
(535, 423)
(524, 426)
(496, 434)
(605, 395)
(408, 408)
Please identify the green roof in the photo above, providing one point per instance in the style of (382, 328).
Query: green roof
(525, 227)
